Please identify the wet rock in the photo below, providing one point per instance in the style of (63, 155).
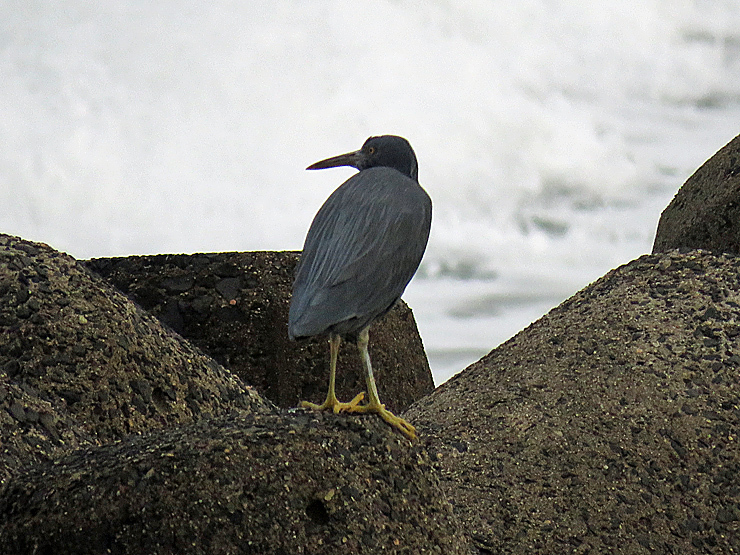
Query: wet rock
(234, 307)
(705, 213)
(607, 426)
(269, 484)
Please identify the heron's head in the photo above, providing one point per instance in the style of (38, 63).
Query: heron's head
(387, 150)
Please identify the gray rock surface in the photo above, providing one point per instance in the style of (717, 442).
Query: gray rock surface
(610, 426)
(262, 484)
(118, 436)
(705, 213)
(80, 363)
(234, 307)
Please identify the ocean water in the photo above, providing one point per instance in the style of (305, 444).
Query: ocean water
(550, 133)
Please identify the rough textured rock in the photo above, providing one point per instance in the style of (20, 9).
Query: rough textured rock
(118, 436)
(611, 425)
(705, 213)
(33, 429)
(262, 484)
(234, 306)
(80, 363)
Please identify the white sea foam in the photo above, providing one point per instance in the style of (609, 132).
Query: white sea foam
(550, 135)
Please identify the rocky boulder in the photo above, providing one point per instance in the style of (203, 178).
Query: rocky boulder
(263, 484)
(610, 425)
(705, 213)
(119, 436)
(80, 363)
(234, 307)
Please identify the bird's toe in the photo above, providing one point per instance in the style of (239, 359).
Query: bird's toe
(396, 421)
(349, 407)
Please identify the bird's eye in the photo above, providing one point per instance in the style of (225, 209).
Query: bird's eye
(371, 150)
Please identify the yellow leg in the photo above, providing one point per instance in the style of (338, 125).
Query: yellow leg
(374, 405)
(331, 397)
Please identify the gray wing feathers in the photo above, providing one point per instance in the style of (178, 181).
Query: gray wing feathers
(362, 249)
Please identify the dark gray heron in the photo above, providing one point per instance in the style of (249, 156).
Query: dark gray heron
(362, 249)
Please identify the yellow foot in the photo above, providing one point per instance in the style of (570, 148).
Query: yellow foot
(335, 405)
(396, 421)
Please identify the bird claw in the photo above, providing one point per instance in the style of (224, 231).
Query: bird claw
(354, 406)
(406, 428)
(349, 407)
(335, 405)
(396, 421)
